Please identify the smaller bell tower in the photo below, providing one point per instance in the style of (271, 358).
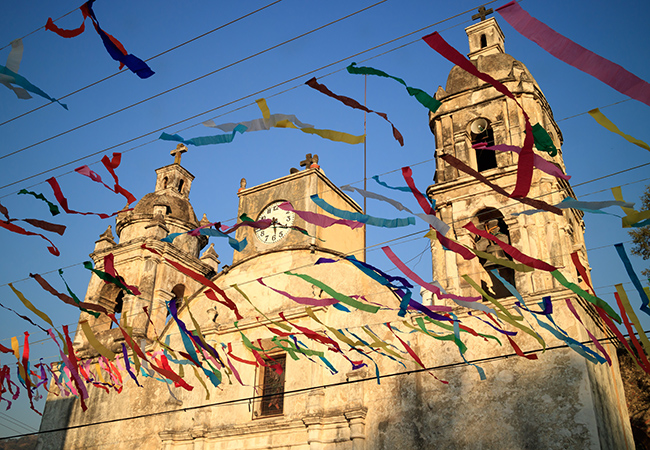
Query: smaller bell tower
(165, 210)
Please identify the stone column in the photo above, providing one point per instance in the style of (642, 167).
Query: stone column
(167, 438)
(357, 421)
(355, 410)
(198, 433)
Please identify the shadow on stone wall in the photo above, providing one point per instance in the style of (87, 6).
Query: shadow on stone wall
(637, 396)
(521, 405)
(55, 415)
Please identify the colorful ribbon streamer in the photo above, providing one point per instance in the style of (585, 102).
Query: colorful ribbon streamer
(538, 204)
(203, 280)
(352, 103)
(319, 219)
(605, 122)
(9, 77)
(425, 99)
(58, 194)
(363, 218)
(54, 210)
(590, 207)
(525, 165)
(13, 64)
(543, 141)
(205, 140)
(16, 229)
(575, 55)
(539, 162)
(336, 295)
(633, 218)
(620, 249)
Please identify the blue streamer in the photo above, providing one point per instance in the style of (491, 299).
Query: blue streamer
(135, 64)
(205, 140)
(25, 84)
(481, 372)
(635, 280)
(397, 188)
(363, 218)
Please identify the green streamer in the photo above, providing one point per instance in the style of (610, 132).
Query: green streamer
(54, 210)
(425, 99)
(543, 141)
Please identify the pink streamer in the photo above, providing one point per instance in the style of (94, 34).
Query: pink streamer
(320, 219)
(303, 300)
(431, 287)
(575, 55)
(525, 166)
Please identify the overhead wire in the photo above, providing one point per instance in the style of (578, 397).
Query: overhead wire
(273, 47)
(223, 105)
(40, 28)
(146, 60)
(407, 372)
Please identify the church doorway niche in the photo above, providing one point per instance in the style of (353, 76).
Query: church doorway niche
(164, 183)
(491, 220)
(481, 133)
(180, 186)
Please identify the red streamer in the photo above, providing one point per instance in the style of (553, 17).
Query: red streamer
(525, 166)
(509, 249)
(352, 103)
(64, 201)
(538, 204)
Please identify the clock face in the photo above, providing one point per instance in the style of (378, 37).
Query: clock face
(281, 221)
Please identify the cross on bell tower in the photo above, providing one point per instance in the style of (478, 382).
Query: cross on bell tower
(177, 152)
(482, 13)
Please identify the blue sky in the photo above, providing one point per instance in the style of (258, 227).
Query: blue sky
(60, 66)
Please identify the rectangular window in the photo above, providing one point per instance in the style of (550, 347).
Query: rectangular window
(271, 386)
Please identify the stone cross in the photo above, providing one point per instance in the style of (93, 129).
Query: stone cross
(176, 153)
(482, 13)
(309, 160)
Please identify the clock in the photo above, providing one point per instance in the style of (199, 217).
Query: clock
(281, 223)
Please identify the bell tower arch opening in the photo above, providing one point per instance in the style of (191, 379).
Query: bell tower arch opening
(481, 132)
(492, 221)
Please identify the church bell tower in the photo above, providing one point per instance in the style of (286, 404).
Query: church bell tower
(164, 211)
(474, 112)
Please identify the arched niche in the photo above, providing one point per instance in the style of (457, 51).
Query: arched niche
(492, 221)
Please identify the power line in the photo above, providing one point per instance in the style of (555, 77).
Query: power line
(189, 82)
(226, 104)
(308, 389)
(40, 28)
(149, 59)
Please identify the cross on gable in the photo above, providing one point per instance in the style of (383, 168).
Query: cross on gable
(309, 160)
(482, 13)
(177, 152)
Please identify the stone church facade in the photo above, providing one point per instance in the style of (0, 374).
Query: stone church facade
(559, 401)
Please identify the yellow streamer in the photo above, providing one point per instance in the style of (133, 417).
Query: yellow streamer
(338, 136)
(605, 122)
(332, 135)
(38, 312)
(15, 346)
(633, 318)
(264, 108)
(340, 336)
(92, 339)
(632, 216)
